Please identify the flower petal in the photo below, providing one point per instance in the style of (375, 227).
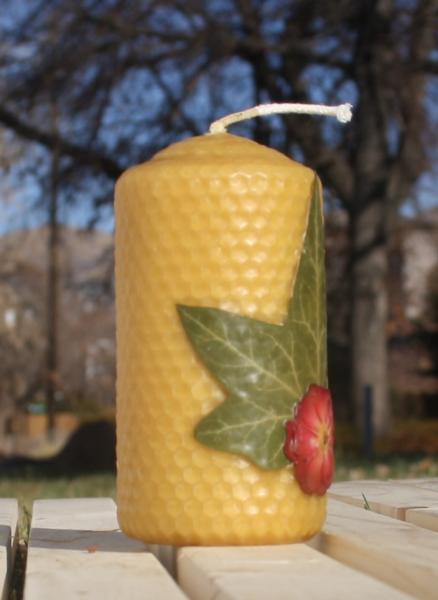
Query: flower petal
(309, 441)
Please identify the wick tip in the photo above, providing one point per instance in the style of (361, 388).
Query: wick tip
(217, 127)
(344, 113)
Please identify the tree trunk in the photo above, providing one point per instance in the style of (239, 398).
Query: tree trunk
(52, 295)
(369, 317)
(369, 221)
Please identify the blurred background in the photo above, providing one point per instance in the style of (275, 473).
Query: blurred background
(88, 88)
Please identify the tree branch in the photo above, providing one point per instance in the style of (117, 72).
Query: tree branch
(83, 155)
(429, 66)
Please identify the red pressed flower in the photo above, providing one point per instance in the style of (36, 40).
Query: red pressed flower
(309, 441)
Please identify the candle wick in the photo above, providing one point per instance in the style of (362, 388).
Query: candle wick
(343, 113)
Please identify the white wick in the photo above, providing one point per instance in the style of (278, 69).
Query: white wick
(342, 113)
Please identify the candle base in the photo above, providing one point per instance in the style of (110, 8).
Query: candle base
(243, 513)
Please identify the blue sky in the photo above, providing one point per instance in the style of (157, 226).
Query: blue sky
(20, 204)
(22, 189)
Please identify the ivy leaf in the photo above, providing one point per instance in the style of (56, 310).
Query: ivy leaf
(265, 368)
(306, 321)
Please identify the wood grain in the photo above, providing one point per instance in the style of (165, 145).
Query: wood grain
(398, 553)
(423, 517)
(280, 572)
(77, 550)
(8, 540)
(388, 498)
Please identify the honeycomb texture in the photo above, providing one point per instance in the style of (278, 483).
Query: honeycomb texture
(217, 221)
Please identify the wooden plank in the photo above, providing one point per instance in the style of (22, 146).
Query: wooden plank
(76, 550)
(398, 553)
(280, 572)
(388, 498)
(423, 517)
(166, 556)
(8, 541)
(430, 483)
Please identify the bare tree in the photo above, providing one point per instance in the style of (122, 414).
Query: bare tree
(52, 375)
(130, 77)
(20, 333)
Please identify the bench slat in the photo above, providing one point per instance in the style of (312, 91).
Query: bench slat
(423, 517)
(428, 484)
(392, 499)
(398, 553)
(8, 541)
(166, 555)
(280, 572)
(77, 550)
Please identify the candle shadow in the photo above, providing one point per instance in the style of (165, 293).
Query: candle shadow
(84, 540)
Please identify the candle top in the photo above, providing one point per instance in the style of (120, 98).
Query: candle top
(221, 152)
(220, 145)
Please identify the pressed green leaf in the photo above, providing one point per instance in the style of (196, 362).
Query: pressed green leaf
(265, 368)
(307, 317)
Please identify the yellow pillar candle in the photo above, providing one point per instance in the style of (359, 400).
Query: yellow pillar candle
(213, 221)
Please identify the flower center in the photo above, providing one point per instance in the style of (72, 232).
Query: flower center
(324, 437)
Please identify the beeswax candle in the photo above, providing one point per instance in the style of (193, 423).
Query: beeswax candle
(209, 241)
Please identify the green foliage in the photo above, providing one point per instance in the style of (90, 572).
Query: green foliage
(265, 368)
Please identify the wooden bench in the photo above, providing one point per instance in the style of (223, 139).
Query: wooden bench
(8, 541)
(380, 541)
